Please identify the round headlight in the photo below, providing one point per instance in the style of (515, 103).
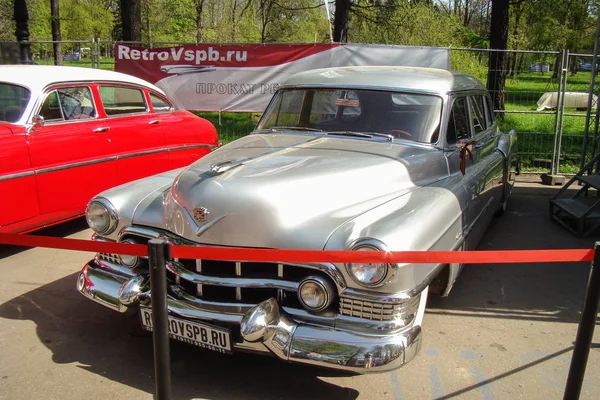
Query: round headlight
(315, 293)
(367, 274)
(101, 216)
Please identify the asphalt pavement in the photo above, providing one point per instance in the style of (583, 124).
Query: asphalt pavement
(505, 332)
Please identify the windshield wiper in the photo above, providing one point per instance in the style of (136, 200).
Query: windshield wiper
(294, 128)
(361, 134)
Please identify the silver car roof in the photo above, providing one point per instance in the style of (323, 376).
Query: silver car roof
(387, 77)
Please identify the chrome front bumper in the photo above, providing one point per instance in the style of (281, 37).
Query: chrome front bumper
(266, 327)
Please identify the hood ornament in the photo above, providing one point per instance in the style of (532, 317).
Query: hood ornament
(223, 166)
(199, 214)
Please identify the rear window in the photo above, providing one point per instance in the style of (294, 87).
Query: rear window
(118, 100)
(158, 104)
(13, 101)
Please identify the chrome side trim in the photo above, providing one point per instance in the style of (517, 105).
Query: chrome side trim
(74, 165)
(16, 176)
(144, 153)
(125, 156)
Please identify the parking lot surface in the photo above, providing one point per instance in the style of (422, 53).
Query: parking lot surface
(505, 332)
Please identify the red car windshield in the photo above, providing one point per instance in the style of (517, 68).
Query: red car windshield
(13, 101)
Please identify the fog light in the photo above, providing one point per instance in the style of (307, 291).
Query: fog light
(315, 293)
(129, 261)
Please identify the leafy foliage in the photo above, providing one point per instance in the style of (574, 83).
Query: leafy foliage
(534, 24)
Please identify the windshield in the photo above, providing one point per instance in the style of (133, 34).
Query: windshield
(401, 115)
(13, 101)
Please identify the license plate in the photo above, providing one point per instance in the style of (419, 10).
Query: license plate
(201, 335)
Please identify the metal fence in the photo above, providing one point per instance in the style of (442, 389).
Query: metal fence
(545, 101)
(545, 95)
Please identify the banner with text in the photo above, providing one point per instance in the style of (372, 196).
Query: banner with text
(215, 77)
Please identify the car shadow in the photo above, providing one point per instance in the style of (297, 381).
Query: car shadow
(60, 230)
(111, 345)
(552, 292)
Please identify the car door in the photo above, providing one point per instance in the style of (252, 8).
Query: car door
(491, 162)
(187, 137)
(71, 151)
(463, 162)
(137, 135)
(17, 180)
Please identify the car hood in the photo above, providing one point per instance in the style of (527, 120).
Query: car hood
(291, 191)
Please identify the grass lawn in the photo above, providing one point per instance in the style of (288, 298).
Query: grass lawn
(231, 126)
(536, 129)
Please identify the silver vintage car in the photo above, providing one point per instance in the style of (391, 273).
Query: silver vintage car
(354, 158)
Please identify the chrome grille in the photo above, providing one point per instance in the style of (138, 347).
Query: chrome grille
(112, 258)
(378, 311)
(239, 281)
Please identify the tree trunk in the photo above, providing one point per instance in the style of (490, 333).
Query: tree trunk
(340, 21)
(515, 34)
(55, 18)
(199, 27)
(497, 64)
(233, 21)
(131, 20)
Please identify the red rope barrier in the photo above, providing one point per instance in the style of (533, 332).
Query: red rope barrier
(74, 244)
(304, 256)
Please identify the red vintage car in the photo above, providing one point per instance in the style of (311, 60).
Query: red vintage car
(69, 133)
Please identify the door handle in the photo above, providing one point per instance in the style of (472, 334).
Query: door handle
(154, 122)
(479, 145)
(103, 129)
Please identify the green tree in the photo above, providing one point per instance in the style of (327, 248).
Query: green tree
(7, 22)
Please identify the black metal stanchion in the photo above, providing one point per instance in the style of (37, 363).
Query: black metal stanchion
(585, 332)
(159, 251)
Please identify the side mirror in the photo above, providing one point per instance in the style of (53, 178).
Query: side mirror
(38, 121)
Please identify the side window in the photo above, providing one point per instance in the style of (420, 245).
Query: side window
(70, 103)
(489, 111)
(458, 124)
(119, 100)
(479, 123)
(158, 104)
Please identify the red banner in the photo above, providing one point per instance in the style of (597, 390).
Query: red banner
(156, 64)
(225, 77)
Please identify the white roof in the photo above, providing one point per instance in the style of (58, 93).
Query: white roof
(37, 77)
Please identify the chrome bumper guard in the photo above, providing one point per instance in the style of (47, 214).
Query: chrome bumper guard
(267, 327)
